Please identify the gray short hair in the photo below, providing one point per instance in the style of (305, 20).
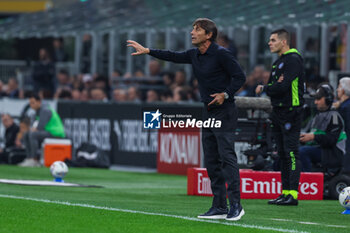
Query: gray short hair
(345, 83)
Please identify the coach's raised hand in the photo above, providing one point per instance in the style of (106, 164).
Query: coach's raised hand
(139, 48)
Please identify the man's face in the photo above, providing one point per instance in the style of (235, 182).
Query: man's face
(6, 120)
(154, 68)
(34, 104)
(198, 36)
(42, 54)
(97, 94)
(321, 104)
(12, 84)
(132, 93)
(57, 44)
(340, 91)
(119, 95)
(62, 78)
(275, 43)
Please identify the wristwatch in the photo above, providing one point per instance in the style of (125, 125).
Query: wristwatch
(226, 95)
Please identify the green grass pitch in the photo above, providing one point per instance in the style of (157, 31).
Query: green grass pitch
(139, 203)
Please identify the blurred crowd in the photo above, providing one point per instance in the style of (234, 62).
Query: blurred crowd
(159, 85)
(165, 86)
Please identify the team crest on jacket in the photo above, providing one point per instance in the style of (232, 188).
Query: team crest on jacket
(280, 65)
(287, 126)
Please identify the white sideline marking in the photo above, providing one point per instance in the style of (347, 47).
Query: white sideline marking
(307, 223)
(280, 219)
(336, 226)
(153, 214)
(36, 182)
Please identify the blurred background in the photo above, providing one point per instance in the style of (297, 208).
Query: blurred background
(76, 50)
(85, 43)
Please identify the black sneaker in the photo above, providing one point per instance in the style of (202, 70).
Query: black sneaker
(276, 200)
(236, 212)
(288, 200)
(214, 213)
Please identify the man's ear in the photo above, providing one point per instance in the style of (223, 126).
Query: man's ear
(284, 42)
(209, 35)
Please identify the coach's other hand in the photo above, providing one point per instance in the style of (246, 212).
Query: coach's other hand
(139, 48)
(259, 89)
(219, 99)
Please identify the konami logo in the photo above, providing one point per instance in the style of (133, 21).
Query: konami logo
(178, 150)
(258, 185)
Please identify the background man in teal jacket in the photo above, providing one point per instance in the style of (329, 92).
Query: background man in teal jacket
(47, 124)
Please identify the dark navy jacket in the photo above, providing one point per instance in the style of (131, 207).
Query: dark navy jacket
(216, 70)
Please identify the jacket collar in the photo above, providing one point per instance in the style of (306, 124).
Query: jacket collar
(211, 49)
(291, 51)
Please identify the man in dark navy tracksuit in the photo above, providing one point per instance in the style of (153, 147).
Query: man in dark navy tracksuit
(219, 77)
(286, 89)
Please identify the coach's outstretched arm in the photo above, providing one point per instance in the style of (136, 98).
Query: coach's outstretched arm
(139, 48)
(166, 55)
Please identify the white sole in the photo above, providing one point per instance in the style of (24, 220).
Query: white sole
(222, 216)
(238, 217)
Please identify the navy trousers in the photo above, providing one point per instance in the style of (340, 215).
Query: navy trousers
(219, 155)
